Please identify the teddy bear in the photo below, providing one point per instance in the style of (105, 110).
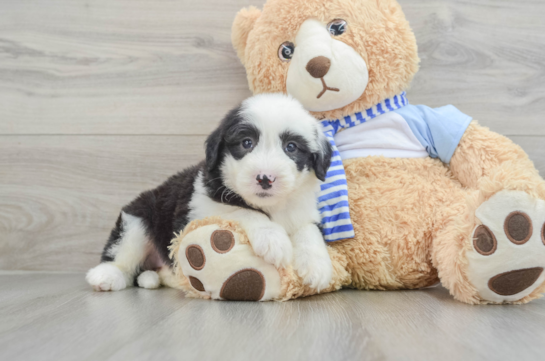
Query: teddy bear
(414, 196)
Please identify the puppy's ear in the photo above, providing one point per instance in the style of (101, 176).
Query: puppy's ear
(242, 26)
(214, 144)
(322, 158)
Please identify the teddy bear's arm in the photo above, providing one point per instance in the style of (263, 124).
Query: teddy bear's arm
(485, 159)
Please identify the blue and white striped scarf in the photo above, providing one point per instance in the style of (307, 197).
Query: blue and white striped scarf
(333, 196)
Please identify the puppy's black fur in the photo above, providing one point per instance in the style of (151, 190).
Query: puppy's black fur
(304, 158)
(165, 209)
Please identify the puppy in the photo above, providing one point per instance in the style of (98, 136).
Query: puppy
(263, 166)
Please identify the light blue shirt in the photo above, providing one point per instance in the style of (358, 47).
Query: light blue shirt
(439, 130)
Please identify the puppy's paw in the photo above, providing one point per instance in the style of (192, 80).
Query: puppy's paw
(314, 268)
(106, 277)
(272, 243)
(149, 280)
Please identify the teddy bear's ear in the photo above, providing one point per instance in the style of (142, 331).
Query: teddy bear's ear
(243, 24)
(388, 6)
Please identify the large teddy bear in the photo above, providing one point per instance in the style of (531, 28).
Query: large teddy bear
(415, 196)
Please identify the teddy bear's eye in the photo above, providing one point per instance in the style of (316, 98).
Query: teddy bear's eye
(337, 27)
(286, 50)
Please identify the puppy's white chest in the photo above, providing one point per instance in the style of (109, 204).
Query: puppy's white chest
(295, 217)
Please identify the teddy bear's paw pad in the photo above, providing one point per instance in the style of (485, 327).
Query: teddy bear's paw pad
(484, 241)
(195, 257)
(513, 282)
(507, 257)
(196, 284)
(220, 266)
(245, 285)
(222, 241)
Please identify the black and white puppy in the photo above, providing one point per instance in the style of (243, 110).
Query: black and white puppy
(262, 169)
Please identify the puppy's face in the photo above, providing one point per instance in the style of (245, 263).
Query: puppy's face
(268, 148)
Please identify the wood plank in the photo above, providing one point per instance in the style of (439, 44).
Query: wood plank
(123, 67)
(57, 317)
(108, 320)
(60, 195)
(148, 67)
(535, 147)
(485, 57)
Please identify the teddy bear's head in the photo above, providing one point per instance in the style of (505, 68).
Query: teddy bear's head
(336, 57)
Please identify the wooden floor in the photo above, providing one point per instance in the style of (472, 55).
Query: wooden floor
(102, 99)
(56, 317)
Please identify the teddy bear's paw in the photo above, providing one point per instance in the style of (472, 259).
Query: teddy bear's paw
(219, 266)
(507, 259)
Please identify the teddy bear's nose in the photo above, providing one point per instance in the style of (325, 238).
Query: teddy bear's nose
(318, 66)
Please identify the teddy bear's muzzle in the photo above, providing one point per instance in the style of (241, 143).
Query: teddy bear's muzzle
(318, 67)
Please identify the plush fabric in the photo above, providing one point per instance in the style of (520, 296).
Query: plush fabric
(233, 273)
(388, 45)
(332, 198)
(417, 221)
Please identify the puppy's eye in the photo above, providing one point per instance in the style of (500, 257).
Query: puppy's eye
(247, 144)
(337, 27)
(291, 147)
(285, 51)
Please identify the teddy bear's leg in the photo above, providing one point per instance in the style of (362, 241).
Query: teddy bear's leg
(215, 260)
(507, 260)
(489, 162)
(495, 253)
(493, 250)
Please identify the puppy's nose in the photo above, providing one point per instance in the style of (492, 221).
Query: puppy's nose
(265, 181)
(318, 66)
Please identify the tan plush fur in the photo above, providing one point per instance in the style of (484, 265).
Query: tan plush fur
(293, 287)
(377, 30)
(419, 217)
(414, 218)
(486, 163)
(242, 26)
